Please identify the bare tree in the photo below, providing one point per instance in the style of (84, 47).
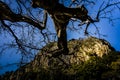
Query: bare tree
(37, 13)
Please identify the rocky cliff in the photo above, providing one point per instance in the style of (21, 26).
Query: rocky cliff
(91, 59)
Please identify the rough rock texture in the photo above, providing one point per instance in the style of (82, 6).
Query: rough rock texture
(80, 51)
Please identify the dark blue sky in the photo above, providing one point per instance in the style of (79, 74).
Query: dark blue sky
(112, 33)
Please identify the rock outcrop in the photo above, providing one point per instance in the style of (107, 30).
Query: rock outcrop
(83, 54)
(79, 51)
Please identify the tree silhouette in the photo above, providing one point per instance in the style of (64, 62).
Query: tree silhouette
(58, 11)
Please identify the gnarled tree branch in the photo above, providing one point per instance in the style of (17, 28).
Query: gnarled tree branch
(61, 16)
(7, 14)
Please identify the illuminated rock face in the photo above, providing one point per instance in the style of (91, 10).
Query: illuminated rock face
(93, 47)
(79, 51)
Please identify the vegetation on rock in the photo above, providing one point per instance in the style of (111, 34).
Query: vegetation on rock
(88, 59)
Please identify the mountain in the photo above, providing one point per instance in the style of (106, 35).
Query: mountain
(88, 59)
